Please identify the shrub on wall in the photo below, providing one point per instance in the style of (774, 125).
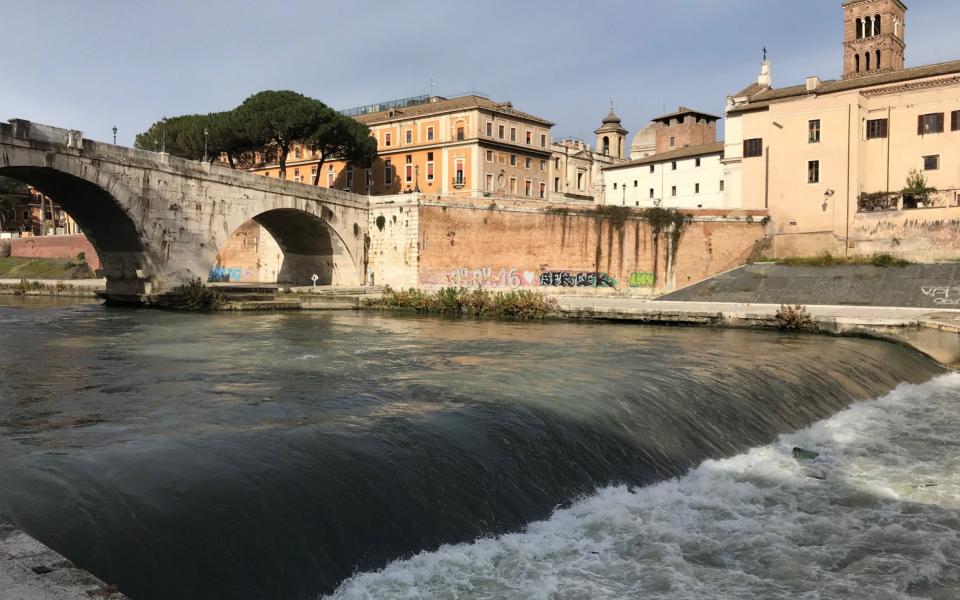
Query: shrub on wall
(520, 304)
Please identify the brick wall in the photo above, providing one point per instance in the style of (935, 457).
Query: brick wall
(575, 251)
(55, 246)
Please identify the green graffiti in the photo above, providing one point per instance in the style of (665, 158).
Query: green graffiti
(641, 280)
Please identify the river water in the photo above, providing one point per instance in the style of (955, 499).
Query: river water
(371, 456)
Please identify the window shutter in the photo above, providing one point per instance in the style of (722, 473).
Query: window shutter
(939, 122)
(920, 125)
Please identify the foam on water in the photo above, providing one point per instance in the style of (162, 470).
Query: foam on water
(885, 523)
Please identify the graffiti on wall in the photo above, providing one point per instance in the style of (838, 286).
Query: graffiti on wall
(942, 294)
(641, 280)
(568, 279)
(487, 277)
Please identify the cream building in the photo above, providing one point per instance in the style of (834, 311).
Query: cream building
(818, 155)
(577, 169)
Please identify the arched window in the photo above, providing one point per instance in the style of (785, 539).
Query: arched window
(859, 28)
(876, 25)
(606, 145)
(867, 67)
(867, 27)
(878, 59)
(856, 59)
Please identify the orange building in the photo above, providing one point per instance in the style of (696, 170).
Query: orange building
(464, 146)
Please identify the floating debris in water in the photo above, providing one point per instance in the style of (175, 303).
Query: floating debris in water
(804, 454)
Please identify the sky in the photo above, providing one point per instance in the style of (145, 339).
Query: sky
(95, 64)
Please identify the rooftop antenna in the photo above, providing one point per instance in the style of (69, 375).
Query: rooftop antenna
(764, 53)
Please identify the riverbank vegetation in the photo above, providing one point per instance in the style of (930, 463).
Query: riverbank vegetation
(196, 296)
(16, 267)
(519, 304)
(829, 260)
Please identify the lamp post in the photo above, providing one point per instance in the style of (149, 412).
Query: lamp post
(205, 134)
(114, 135)
(163, 135)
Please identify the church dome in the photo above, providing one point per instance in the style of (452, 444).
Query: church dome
(644, 142)
(611, 119)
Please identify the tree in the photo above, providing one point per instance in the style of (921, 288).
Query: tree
(7, 214)
(275, 119)
(917, 193)
(339, 136)
(9, 187)
(181, 136)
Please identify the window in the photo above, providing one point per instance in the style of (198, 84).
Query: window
(513, 160)
(500, 131)
(955, 120)
(556, 184)
(673, 191)
(673, 166)
(543, 190)
(614, 186)
(876, 129)
(529, 137)
(430, 167)
(313, 173)
(696, 162)
(932, 123)
(652, 168)
(513, 134)
(488, 186)
(513, 186)
(753, 148)
(931, 163)
(580, 178)
(813, 131)
(634, 183)
(387, 172)
(528, 188)
(489, 155)
(429, 134)
(296, 175)
(651, 193)
(349, 178)
(460, 133)
(409, 136)
(558, 163)
(543, 140)
(408, 169)
(489, 129)
(528, 163)
(386, 139)
(696, 188)
(543, 165)
(673, 141)
(813, 171)
(458, 177)
(297, 152)
(856, 59)
(721, 185)
(331, 176)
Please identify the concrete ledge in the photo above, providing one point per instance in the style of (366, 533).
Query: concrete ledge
(31, 571)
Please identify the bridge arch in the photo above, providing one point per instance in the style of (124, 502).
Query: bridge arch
(125, 259)
(288, 245)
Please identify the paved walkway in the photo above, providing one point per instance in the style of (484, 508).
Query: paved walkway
(853, 314)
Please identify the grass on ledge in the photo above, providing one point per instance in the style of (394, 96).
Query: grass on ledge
(15, 267)
(519, 304)
(828, 260)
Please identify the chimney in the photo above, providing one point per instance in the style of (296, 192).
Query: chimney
(813, 83)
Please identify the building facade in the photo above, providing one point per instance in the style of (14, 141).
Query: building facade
(465, 146)
(831, 159)
(37, 214)
(689, 177)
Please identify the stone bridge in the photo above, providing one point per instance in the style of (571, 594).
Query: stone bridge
(158, 221)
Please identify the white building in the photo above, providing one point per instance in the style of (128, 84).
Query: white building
(690, 177)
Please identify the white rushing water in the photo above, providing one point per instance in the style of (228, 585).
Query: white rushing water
(883, 523)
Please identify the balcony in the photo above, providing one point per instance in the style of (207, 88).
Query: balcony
(459, 181)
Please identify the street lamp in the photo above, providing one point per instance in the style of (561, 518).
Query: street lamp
(163, 135)
(205, 134)
(114, 135)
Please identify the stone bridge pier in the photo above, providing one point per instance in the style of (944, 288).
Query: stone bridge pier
(158, 221)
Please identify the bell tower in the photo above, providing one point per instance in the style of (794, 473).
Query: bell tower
(873, 36)
(611, 136)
